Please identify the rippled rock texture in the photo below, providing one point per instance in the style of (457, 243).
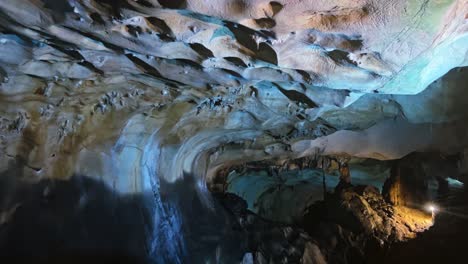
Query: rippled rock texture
(162, 103)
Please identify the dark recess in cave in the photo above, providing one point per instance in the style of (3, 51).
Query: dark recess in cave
(173, 4)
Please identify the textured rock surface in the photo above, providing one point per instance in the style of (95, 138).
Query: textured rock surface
(152, 97)
(357, 221)
(284, 193)
(74, 73)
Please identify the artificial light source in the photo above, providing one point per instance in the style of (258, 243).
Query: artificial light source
(432, 208)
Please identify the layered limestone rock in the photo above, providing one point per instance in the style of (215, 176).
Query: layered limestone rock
(147, 95)
(76, 72)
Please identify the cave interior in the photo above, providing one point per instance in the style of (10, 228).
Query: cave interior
(233, 131)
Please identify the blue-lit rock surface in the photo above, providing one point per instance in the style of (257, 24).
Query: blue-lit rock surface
(212, 123)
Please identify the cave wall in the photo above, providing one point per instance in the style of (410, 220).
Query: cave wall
(142, 95)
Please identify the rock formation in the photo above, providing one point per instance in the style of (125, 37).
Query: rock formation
(240, 113)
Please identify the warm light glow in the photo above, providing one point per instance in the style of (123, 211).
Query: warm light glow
(431, 208)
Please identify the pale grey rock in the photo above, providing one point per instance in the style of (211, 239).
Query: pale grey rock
(170, 90)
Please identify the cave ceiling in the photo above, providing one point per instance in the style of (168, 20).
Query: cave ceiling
(229, 80)
(175, 101)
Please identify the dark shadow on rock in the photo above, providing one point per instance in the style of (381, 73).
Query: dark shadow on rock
(75, 221)
(58, 6)
(211, 233)
(82, 220)
(173, 4)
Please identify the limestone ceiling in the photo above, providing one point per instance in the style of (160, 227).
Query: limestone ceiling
(261, 79)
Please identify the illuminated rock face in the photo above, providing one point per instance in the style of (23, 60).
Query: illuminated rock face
(235, 81)
(143, 95)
